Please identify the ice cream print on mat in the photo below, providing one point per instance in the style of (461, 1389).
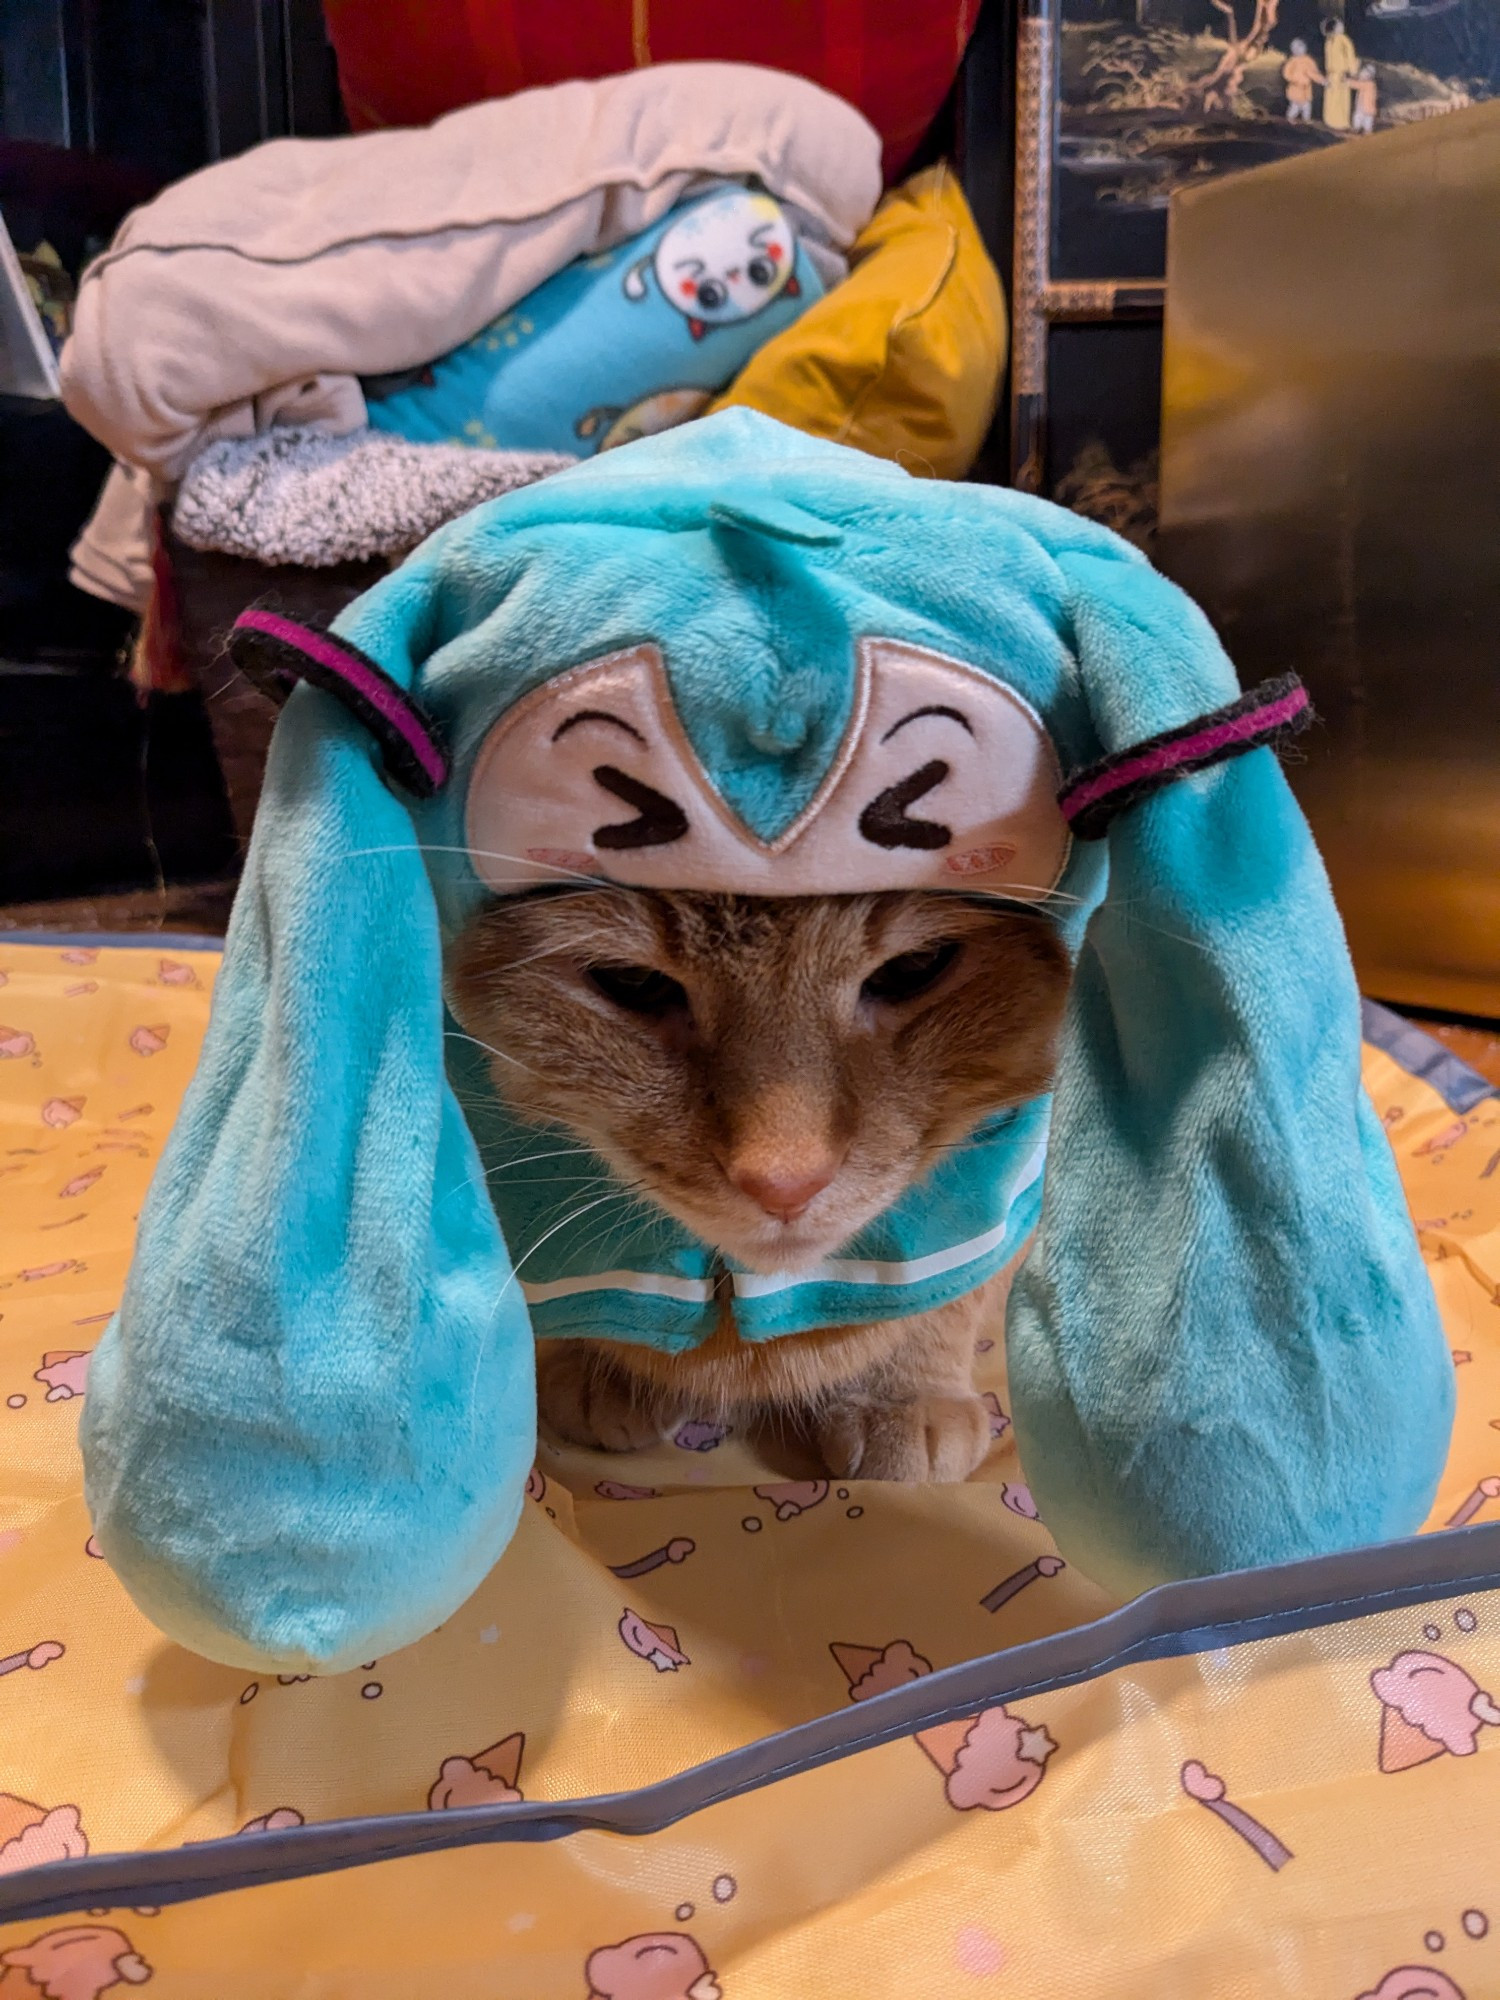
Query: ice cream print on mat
(992, 1760)
(1487, 1489)
(79, 1963)
(872, 1670)
(489, 1778)
(31, 1835)
(656, 1643)
(65, 1371)
(662, 1965)
(1425, 1982)
(35, 1657)
(1430, 1708)
(794, 1497)
(723, 260)
(1211, 1792)
(676, 1551)
(1415, 1982)
(1022, 1579)
(943, 779)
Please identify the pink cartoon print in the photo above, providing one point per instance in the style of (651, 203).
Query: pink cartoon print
(79, 954)
(794, 1498)
(34, 1657)
(615, 1489)
(676, 1551)
(1211, 1791)
(656, 1643)
(172, 972)
(276, 1821)
(490, 1778)
(663, 1965)
(1414, 1982)
(31, 1835)
(536, 1484)
(65, 1370)
(698, 1434)
(80, 1184)
(992, 1760)
(872, 1670)
(1487, 1489)
(1018, 1499)
(1044, 1566)
(999, 1421)
(60, 1112)
(16, 1043)
(149, 1041)
(1430, 1706)
(80, 1963)
(39, 1271)
(1441, 1141)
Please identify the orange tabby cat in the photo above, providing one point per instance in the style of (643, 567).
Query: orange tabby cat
(774, 1073)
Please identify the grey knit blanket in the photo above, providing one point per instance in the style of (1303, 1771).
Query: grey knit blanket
(302, 497)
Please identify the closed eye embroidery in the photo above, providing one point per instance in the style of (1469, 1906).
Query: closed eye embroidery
(596, 715)
(935, 708)
(661, 820)
(884, 821)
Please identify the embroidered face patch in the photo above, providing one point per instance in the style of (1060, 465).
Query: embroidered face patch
(945, 779)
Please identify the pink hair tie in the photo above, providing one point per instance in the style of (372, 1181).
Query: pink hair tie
(275, 652)
(1270, 713)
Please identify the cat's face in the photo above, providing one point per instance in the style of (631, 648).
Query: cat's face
(772, 1072)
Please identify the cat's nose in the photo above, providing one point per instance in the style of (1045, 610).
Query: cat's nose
(783, 1187)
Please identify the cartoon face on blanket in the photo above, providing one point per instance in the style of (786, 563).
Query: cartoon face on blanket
(724, 260)
(620, 345)
(310, 1425)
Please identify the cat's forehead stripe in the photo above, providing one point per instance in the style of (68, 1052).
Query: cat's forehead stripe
(922, 727)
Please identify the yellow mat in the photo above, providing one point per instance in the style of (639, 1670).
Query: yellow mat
(1314, 1812)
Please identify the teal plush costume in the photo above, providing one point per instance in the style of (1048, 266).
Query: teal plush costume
(733, 656)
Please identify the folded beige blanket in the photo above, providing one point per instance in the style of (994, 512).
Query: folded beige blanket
(258, 289)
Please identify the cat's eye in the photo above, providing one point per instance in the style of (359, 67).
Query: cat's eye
(639, 989)
(910, 975)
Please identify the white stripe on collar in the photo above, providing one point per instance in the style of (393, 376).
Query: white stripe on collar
(893, 1272)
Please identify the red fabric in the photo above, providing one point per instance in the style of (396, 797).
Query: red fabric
(158, 666)
(405, 62)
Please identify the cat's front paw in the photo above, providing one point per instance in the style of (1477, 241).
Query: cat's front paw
(587, 1401)
(929, 1440)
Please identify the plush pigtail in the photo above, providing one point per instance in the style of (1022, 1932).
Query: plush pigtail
(1224, 1349)
(309, 1425)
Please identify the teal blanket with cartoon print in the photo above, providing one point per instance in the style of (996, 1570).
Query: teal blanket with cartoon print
(619, 345)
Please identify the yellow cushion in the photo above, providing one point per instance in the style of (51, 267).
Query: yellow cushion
(904, 359)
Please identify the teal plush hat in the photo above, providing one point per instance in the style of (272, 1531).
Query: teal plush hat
(732, 657)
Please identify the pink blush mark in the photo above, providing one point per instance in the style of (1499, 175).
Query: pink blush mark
(979, 860)
(569, 859)
(979, 1954)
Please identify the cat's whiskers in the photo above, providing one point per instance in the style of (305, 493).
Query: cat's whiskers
(530, 1159)
(475, 854)
(461, 1035)
(514, 1279)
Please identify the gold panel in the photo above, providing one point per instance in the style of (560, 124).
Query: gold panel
(1331, 495)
